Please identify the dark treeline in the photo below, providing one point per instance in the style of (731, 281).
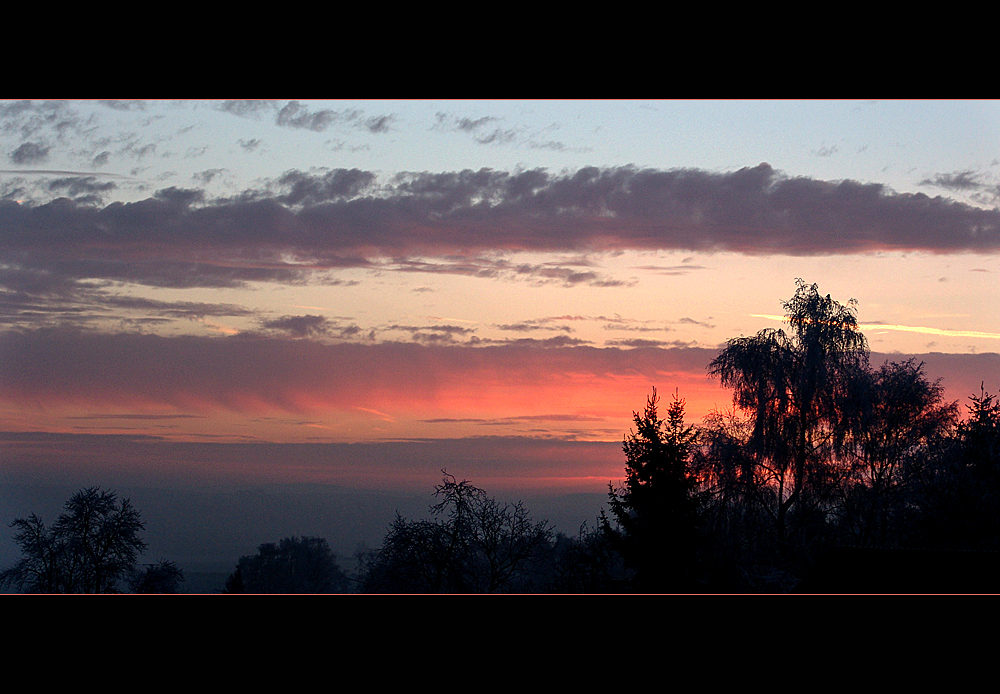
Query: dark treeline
(823, 450)
(825, 466)
(827, 474)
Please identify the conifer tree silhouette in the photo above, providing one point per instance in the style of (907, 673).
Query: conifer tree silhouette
(656, 510)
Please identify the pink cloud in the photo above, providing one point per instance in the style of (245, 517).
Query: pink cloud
(51, 368)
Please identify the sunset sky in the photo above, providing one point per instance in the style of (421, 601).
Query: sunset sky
(357, 294)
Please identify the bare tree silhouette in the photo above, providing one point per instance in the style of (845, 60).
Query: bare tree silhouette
(91, 548)
(473, 544)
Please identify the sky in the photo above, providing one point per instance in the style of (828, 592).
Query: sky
(203, 296)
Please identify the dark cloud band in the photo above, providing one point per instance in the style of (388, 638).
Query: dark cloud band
(136, 372)
(250, 372)
(348, 218)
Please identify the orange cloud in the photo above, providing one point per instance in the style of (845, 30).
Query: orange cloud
(401, 386)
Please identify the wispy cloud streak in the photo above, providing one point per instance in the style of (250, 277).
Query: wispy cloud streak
(943, 332)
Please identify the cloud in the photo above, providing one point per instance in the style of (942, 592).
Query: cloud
(484, 132)
(299, 188)
(610, 323)
(551, 144)
(307, 222)
(124, 104)
(753, 210)
(500, 268)
(493, 462)
(535, 324)
(958, 180)
(559, 341)
(932, 331)
(943, 332)
(523, 418)
(471, 125)
(692, 321)
(299, 326)
(431, 334)
(89, 373)
(247, 108)
(208, 175)
(295, 115)
(497, 137)
(449, 122)
(378, 124)
(30, 153)
(175, 309)
(638, 342)
(480, 129)
(969, 181)
(671, 270)
(14, 109)
(127, 416)
(87, 187)
(258, 374)
(59, 172)
(30, 119)
(35, 298)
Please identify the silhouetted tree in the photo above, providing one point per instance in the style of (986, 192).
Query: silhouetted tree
(473, 544)
(894, 416)
(294, 565)
(161, 577)
(91, 548)
(234, 582)
(656, 510)
(980, 436)
(821, 449)
(792, 389)
(587, 563)
(738, 549)
(959, 487)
